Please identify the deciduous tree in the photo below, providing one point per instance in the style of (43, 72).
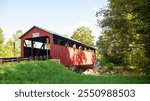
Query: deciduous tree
(125, 30)
(1, 42)
(84, 34)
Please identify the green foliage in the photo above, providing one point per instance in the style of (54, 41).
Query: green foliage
(125, 32)
(49, 72)
(104, 62)
(9, 49)
(1, 43)
(15, 37)
(84, 34)
(1, 37)
(17, 42)
(66, 35)
(137, 58)
(2, 51)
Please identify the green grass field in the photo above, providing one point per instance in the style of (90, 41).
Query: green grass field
(48, 72)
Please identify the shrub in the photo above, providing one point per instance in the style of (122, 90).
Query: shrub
(105, 62)
(137, 58)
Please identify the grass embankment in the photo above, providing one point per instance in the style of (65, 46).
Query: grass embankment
(48, 72)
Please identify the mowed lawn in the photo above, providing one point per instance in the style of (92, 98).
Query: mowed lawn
(49, 72)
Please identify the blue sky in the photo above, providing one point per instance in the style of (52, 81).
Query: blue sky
(61, 16)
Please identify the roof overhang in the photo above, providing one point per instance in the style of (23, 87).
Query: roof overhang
(54, 33)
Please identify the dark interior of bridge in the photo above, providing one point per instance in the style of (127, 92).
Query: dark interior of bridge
(39, 46)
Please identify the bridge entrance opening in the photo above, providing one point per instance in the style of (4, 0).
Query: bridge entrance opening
(37, 47)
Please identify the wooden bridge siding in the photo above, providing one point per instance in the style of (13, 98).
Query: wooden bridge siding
(72, 57)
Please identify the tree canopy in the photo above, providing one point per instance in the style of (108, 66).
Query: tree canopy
(125, 35)
(1, 36)
(12, 47)
(84, 34)
(1, 42)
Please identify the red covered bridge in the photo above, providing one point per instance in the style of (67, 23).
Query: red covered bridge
(40, 42)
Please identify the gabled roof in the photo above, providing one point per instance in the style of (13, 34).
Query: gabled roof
(54, 33)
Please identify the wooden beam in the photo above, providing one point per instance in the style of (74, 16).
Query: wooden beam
(32, 44)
